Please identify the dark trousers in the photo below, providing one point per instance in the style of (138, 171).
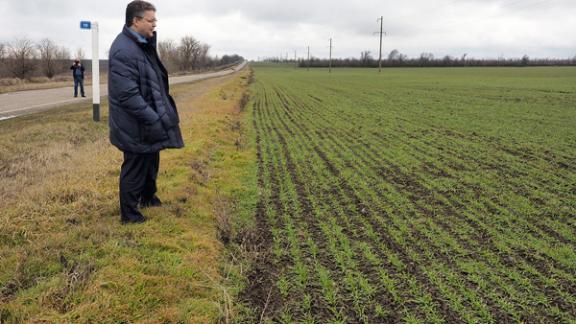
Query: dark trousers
(137, 182)
(78, 81)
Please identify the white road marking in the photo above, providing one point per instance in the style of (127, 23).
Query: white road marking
(44, 105)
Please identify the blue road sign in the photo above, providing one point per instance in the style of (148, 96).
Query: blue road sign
(85, 25)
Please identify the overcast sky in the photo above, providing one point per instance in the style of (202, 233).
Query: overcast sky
(265, 28)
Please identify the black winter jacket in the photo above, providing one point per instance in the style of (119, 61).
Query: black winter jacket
(143, 116)
(74, 67)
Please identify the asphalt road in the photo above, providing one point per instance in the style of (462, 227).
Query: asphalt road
(14, 104)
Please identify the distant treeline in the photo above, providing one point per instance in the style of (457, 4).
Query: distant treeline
(25, 59)
(190, 55)
(397, 59)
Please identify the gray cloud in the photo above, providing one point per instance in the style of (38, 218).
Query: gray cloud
(256, 28)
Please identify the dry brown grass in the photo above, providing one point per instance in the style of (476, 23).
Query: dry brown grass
(64, 257)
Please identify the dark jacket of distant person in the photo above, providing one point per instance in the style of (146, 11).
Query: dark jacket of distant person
(143, 116)
(75, 67)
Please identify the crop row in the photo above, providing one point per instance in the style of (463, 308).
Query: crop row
(375, 216)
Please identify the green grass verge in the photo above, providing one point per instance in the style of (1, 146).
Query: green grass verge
(64, 257)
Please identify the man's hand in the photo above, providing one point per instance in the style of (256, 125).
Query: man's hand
(154, 133)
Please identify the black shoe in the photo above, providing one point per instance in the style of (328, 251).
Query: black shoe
(83, 96)
(154, 202)
(138, 220)
(75, 96)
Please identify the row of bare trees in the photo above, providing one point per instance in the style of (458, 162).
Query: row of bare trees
(427, 59)
(189, 54)
(24, 58)
(396, 59)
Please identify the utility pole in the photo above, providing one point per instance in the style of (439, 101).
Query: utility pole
(295, 60)
(330, 61)
(380, 55)
(308, 67)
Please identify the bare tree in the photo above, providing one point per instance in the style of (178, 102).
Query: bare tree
(22, 54)
(168, 52)
(365, 58)
(425, 58)
(203, 58)
(3, 56)
(62, 53)
(229, 59)
(79, 55)
(393, 56)
(166, 48)
(48, 51)
(188, 52)
(396, 58)
(3, 52)
(63, 59)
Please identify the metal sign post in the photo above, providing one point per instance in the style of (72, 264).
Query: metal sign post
(95, 68)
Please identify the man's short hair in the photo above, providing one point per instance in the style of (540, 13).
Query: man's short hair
(137, 8)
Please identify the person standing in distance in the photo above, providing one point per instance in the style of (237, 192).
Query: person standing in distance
(78, 75)
(143, 117)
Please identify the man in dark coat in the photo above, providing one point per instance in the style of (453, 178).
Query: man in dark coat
(78, 75)
(143, 117)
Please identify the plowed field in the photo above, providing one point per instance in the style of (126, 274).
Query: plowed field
(418, 195)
